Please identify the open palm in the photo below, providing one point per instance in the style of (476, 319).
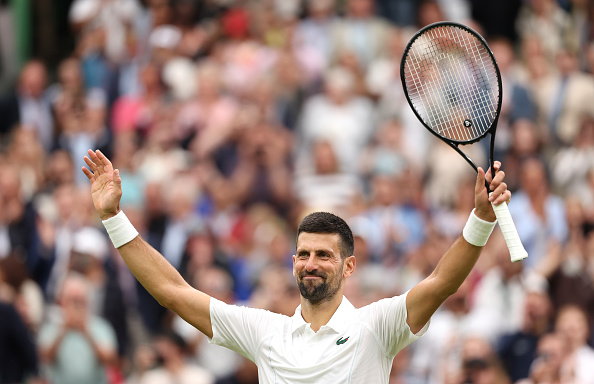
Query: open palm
(106, 184)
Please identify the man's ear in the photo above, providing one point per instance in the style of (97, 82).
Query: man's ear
(294, 259)
(350, 263)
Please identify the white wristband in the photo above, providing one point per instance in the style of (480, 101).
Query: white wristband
(477, 231)
(120, 229)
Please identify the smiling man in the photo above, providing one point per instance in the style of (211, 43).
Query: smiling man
(327, 340)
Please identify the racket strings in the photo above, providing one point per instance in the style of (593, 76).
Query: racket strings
(452, 83)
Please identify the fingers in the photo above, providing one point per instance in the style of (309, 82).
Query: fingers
(88, 173)
(500, 193)
(117, 178)
(496, 166)
(104, 161)
(502, 198)
(480, 180)
(90, 163)
(97, 162)
(93, 157)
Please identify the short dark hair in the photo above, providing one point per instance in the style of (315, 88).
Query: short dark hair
(325, 222)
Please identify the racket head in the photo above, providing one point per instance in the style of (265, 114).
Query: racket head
(452, 82)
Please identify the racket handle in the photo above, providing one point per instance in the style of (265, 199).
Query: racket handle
(510, 233)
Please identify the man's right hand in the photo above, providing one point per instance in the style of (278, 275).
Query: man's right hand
(106, 184)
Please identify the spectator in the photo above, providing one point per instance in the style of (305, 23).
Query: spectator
(313, 34)
(170, 348)
(243, 58)
(80, 112)
(65, 200)
(104, 30)
(126, 157)
(538, 214)
(220, 361)
(572, 324)
(548, 365)
(527, 140)
(560, 99)
(548, 22)
(20, 291)
(519, 350)
(437, 356)
(261, 172)
(449, 220)
(388, 153)
(480, 363)
(206, 122)
(23, 233)
(570, 167)
(326, 187)
(567, 267)
(28, 105)
(503, 288)
(360, 32)
(517, 103)
(338, 116)
(18, 356)
(385, 69)
(394, 228)
(90, 258)
(76, 346)
(446, 170)
(26, 154)
(141, 112)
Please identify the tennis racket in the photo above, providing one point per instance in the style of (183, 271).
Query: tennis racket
(453, 85)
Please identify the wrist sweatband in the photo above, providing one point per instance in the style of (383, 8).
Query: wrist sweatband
(120, 229)
(477, 231)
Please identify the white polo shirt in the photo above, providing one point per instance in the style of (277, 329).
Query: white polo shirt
(356, 346)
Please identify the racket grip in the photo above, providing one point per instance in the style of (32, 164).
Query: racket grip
(510, 233)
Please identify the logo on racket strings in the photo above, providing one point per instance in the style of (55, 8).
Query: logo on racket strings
(467, 123)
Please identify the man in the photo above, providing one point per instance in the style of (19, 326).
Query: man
(76, 346)
(327, 340)
(28, 105)
(18, 356)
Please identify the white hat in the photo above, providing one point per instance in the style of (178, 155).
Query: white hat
(83, 10)
(165, 36)
(90, 241)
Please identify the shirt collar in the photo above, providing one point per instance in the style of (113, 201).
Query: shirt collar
(337, 322)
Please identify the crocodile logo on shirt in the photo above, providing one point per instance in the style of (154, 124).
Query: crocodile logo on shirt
(341, 341)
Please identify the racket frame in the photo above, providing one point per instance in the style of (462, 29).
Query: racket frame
(455, 143)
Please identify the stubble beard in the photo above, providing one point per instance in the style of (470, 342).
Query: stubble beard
(316, 292)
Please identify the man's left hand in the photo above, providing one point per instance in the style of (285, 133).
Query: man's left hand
(482, 198)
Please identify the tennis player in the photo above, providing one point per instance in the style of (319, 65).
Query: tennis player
(327, 340)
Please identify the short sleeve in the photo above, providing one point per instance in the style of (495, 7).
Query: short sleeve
(103, 333)
(47, 335)
(387, 319)
(241, 329)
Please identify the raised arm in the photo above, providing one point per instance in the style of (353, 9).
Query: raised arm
(455, 265)
(151, 269)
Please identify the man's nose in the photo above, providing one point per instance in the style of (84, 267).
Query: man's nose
(312, 263)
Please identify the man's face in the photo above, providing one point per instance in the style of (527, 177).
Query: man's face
(318, 266)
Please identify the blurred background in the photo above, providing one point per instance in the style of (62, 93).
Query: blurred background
(232, 119)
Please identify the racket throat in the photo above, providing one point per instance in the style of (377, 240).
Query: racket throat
(472, 164)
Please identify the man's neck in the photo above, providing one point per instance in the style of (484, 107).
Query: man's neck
(319, 314)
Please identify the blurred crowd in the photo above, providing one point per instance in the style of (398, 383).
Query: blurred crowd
(229, 121)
